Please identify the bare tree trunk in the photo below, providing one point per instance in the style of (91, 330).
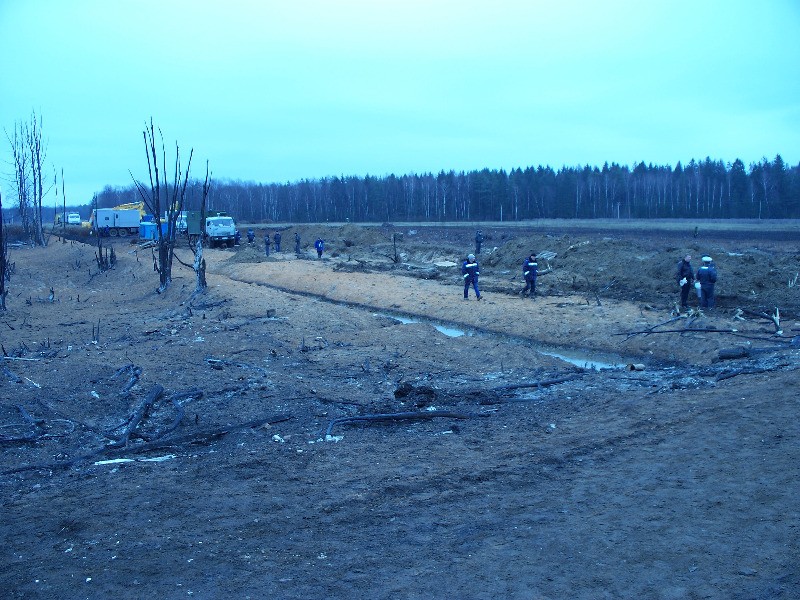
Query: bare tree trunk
(159, 195)
(37, 153)
(199, 261)
(3, 258)
(22, 176)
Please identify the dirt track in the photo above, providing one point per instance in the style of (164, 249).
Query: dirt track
(678, 481)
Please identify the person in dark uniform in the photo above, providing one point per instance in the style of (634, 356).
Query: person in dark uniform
(470, 271)
(277, 239)
(707, 277)
(685, 278)
(530, 269)
(478, 241)
(266, 243)
(296, 243)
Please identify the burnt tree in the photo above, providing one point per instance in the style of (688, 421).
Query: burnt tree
(163, 196)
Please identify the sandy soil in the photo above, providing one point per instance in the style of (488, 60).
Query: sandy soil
(515, 471)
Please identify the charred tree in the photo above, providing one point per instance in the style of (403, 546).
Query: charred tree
(163, 196)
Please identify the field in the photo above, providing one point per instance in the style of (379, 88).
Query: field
(351, 428)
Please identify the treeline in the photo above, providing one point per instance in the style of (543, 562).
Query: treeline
(708, 189)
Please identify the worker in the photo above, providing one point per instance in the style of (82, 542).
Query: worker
(478, 241)
(320, 247)
(251, 236)
(707, 277)
(530, 270)
(470, 271)
(685, 277)
(277, 238)
(296, 243)
(266, 243)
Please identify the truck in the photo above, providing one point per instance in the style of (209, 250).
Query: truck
(115, 222)
(190, 223)
(220, 230)
(133, 205)
(72, 218)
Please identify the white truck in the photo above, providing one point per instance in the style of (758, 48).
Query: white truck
(220, 230)
(115, 222)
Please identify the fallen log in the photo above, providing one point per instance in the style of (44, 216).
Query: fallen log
(729, 374)
(137, 415)
(404, 416)
(686, 330)
(536, 384)
(9, 373)
(743, 352)
(775, 319)
(733, 353)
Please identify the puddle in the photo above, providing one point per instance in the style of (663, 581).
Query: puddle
(449, 331)
(583, 359)
(446, 330)
(403, 320)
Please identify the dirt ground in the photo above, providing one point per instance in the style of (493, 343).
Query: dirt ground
(586, 444)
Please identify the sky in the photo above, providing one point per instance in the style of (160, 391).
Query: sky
(269, 92)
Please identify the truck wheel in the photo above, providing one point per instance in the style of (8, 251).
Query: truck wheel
(123, 232)
(230, 243)
(113, 232)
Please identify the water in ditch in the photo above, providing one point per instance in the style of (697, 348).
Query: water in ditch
(580, 358)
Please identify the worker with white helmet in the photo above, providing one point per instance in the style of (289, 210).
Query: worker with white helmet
(707, 277)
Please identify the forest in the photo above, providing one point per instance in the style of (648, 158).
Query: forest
(708, 189)
(698, 190)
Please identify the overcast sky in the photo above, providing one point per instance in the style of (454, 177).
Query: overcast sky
(282, 91)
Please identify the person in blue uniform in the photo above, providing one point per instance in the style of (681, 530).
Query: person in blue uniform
(251, 236)
(530, 270)
(707, 277)
(319, 245)
(470, 271)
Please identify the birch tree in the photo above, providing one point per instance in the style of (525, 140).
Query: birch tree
(3, 257)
